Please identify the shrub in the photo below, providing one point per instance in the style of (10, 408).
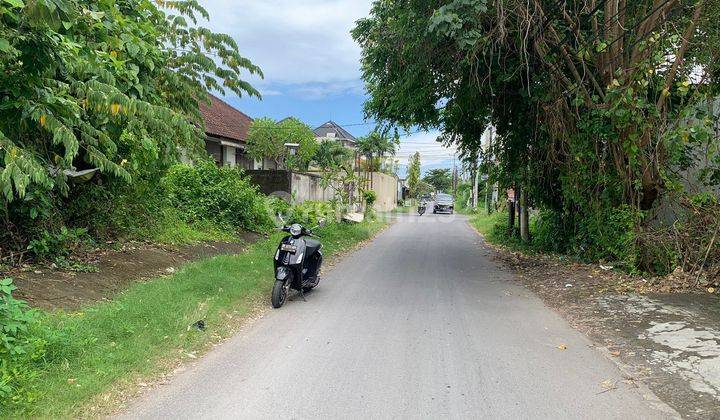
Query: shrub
(22, 347)
(309, 213)
(609, 234)
(550, 232)
(277, 205)
(224, 195)
(370, 197)
(51, 245)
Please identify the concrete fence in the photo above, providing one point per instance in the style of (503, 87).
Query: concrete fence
(386, 188)
(308, 186)
(291, 185)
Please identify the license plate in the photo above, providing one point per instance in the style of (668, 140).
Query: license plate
(288, 248)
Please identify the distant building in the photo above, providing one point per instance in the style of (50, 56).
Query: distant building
(332, 131)
(226, 133)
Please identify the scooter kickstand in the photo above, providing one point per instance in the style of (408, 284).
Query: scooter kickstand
(302, 294)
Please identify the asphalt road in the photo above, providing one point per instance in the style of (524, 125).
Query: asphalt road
(421, 323)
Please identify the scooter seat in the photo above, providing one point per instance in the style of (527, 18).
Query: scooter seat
(311, 246)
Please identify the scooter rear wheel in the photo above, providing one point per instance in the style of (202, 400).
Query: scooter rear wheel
(279, 294)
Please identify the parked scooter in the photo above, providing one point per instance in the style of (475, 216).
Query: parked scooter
(421, 208)
(298, 260)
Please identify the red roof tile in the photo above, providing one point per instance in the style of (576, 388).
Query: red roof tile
(223, 120)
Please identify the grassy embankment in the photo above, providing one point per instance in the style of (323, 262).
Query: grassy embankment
(493, 227)
(107, 348)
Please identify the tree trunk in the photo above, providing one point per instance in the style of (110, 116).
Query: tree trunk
(511, 216)
(488, 197)
(518, 191)
(524, 217)
(475, 188)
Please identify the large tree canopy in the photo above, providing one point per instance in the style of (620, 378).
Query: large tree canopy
(597, 103)
(270, 139)
(112, 85)
(560, 80)
(440, 179)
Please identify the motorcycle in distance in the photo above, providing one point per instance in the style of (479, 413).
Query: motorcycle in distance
(297, 262)
(421, 208)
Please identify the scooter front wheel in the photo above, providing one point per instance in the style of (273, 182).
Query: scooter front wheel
(279, 294)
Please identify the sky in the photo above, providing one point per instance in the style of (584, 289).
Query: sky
(311, 65)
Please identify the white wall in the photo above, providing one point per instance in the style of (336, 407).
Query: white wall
(229, 156)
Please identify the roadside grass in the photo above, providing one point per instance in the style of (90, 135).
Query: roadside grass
(493, 227)
(485, 223)
(103, 350)
(172, 229)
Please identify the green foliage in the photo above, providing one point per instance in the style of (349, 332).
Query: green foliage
(422, 188)
(309, 213)
(331, 155)
(413, 175)
(370, 198)
(61, 244)
(23, 348)
(267, 139)
(440, 179)
(78, 76)
(112, 86)
(375, 146)
(610, 235)
(278, 206)
(585, 124)
(550, 234)
(208, 193)
(301, 134)
(463, 200)
(172, 227)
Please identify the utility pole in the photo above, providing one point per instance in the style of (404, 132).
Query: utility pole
(455, 176)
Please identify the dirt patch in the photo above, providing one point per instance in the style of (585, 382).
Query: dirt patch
(51, 289)
(663, 334)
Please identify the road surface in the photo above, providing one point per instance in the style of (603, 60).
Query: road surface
(420, 323)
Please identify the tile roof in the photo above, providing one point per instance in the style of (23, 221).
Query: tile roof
(332, 127)
(222, 120)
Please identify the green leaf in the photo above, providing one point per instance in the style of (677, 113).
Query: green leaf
(15, 3)
(5, 45)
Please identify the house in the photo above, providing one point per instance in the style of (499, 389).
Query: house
(332, 131)
(226, 133)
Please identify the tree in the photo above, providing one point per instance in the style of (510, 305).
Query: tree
(268, 139)
(301, 134)
(596, 104)
(413, 177)
(375, 146)
(440, 179)
(111, 86)
(88, 84)
(265, 140)
(423, 188)
(330, 155)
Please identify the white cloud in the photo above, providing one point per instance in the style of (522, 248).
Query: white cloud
(316, 91)
(295, 43)
(431, 152)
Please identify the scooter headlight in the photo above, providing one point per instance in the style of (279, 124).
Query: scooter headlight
(295, 229)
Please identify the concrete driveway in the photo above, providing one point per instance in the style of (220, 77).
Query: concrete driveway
(418, 324)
